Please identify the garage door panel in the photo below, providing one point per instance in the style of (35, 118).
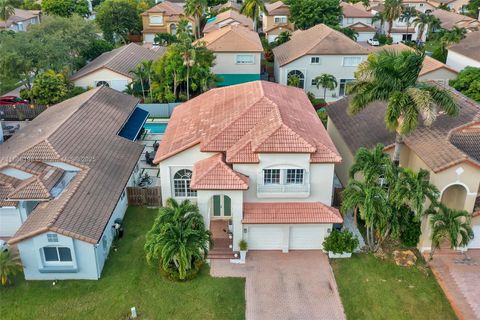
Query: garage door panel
(9, 222)
(265, 237)
(307, 237)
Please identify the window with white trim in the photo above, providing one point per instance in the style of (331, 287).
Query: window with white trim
(271, 176)
(244, 59)
(315, 60)
(294, 176)
(181, 184)
(57, 254)
(280, 19)
(351, 61)
(283, 176)
(156, 20)
(52, 237)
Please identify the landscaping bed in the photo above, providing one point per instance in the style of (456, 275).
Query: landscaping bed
(127, 281)
(371, 288)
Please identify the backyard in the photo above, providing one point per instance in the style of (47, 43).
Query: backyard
(127, 281)
(374, 289)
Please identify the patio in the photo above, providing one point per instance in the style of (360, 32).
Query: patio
(148, 139)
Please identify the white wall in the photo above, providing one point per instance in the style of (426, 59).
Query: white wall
(10, 221)
(442, 75)
(225, 63)
(115, 80)
(346, 23)
(459, 62)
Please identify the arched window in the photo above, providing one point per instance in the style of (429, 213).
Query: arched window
(181, 184)
(102, 84)
(173, 29)
(292, 77)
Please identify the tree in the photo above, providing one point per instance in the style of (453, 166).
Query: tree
(9, 266)
(468, 82)
(472, 8)
(178, 240)
(407, 14)
(143, 74)
(283, 37)
(308, 13)
(164, 39)
(30, 5)
(95, 49)
(449, 225)
(392, 11)
(293, 81)
(139, 77)
(196, 8)
(49, 88)
(326, 81)
(253, 9)
(6, 11)
(393, 77)
(349, 32)
(423, 21)
(118, 18)
(66, 8)
(380, 16)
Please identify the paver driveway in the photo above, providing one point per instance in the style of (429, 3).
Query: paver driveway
(294, 285)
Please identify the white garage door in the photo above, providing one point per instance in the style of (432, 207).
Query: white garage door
(307, 237)
(475, 243)
(9, 222)
(265, 237)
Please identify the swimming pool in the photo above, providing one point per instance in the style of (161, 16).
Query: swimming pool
(156, 127)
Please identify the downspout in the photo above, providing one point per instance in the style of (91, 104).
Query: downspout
(95, 247)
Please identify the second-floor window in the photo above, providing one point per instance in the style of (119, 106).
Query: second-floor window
(351, 61)
(244, 59)
(280, 19)
(315, 60)
(156, 20)
(283, 176)
(349, 20)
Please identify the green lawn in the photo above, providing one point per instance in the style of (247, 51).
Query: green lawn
(126, 281)
(375, 289)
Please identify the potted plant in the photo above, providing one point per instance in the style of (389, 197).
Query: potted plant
(243, 249)
(340, 244)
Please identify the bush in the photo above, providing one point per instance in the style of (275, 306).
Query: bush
(340, 242)
(384, 39)
(173, 274)
(410, 229)
(322, 114)
(243, 245)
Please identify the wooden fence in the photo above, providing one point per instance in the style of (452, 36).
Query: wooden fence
(138, 196)
(20, 112)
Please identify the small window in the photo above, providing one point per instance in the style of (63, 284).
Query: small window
(280, 19)
(102, 83)
(343, 86)
(52, 237)
(20, 26)
(157, 20)
(57, 254)
(244, 59)
(351, 61)
(315, 60)
(294, 176)
(271, 176)
(314, 83)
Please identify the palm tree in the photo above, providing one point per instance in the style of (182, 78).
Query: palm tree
(418, 190)
(293, 81)
(139, 76)
(178, 238)
(148, 72)
(9, 266)
(189, 57)
(327, 81)
(253, 9)
(407, 14)
(425, 21)
(449, 224)
(196, 8)
(380, 16)
(392, 11)
(164, 39)
(283, 37)
(450, 37)
(6, 11)
(393, 77)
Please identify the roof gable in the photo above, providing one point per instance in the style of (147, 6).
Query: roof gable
(233, 39)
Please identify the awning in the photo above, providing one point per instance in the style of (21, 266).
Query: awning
(134, 124)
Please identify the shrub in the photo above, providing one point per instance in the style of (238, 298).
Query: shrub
(410, 229)
(243, 245)
(340, 242)
(384, 39)
(172, 273)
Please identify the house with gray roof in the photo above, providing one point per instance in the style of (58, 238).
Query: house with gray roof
(63, 182)
(466, 53)
(21, 20)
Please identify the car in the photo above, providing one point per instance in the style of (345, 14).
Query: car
(8, 100)
(373, 42)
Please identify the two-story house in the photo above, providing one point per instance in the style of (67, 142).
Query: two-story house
(238, 54)
(316, 51)
(450, 20)
(358, 18)
(256, 158)
(163, 18)
(21, 20)
(276, 19)
(227, 18)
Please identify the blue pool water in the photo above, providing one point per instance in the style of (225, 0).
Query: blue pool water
(155, 127)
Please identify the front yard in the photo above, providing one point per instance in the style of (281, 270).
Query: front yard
(127, 281)
(376, 289)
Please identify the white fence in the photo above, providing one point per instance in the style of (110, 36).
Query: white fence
(161, 110)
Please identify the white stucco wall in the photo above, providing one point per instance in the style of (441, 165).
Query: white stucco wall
(346, 22)
(459, 62)
(115, 80)
(225, 63)
(442, 75)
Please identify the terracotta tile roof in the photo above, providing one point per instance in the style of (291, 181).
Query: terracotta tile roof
(227, 18)
(469, 46)
(167, 8)
(355, 11)
(121, 60)
(320, 40)
(20, 15)
(233, 39)
(277, 8)
(214, 174)
(246, 119)
(83, 131)
(450, 19)
(434, 144)
(289, 213)
(361, 27)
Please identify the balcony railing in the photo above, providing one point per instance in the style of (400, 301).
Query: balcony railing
(283, 189)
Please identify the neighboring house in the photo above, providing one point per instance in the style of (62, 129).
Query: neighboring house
(276, 20)
(356, 17)
(458, 6)
(113, 68)
(256, 156)
(433, 70)
(21, 20)
(63, 183)
(449, 20)
(163, 18)
(466, 53)
(318, 50)
(238, 54)
(448, 150)
(226, 18)
(423, 6)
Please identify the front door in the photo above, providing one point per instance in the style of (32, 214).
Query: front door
(222, 206)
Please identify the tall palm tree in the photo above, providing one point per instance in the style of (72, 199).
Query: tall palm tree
(253, 9)
(392, 10)
(449, 224)
(9, 266)
(6, 11)
(450, 37)
(418, 190)
(380, 16)
(148, 72)
(393, 77)
(189, 59)
(425, 21)
(196, 8)
(283, 37)
(326, 81)
(139, 77)
(407, 14)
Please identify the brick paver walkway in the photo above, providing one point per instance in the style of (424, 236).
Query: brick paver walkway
(460, 281)
(294, 285)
